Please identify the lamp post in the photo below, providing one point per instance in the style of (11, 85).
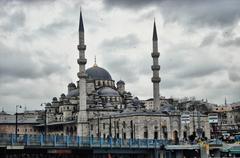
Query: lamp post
(45, 119)
(16, 128)
(110, 126)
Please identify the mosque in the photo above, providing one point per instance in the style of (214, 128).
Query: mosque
(97, 106)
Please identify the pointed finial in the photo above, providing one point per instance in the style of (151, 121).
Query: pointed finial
(95, 61)
(81, 27)
(155, 38)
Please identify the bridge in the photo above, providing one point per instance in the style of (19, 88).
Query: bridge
(77, 146)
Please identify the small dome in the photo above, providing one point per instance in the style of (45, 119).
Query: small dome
(98, 73)
(107, 91)
(120, 82)
(62, 95)
(54, 99)
(136, 101)
(71, 85)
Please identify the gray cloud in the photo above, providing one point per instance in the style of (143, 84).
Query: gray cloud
(198, 70)
(192, 13)
(122, 68)
(135, 4)
(54, 28)
(231, 42)
(124, 42)
(14, 21)
(127, 67)
(16, 64)
(234, 73)
(234, 76)
(208, 40)
(26, 2)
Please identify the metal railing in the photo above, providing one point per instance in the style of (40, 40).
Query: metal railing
(77, 141)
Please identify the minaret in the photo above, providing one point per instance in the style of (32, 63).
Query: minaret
(82, 116)
(155, 68)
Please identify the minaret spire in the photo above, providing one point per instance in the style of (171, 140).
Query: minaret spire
(81, 27)
(155, 38)
(155, 68)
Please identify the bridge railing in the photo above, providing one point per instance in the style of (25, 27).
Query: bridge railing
(77, 141)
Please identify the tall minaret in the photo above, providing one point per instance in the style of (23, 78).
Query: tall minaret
(155, 68)
(82, 116)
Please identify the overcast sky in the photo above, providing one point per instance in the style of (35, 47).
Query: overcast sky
(199, 43)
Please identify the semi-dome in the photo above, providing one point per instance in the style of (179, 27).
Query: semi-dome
(98, 73)
(107, 91)
(120, 82)
(71, 85)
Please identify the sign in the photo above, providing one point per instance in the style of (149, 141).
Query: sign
(185, 118)
(213, 118)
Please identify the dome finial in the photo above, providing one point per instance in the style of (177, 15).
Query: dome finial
(95, 61)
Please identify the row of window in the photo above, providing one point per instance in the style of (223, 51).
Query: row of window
(104, 83)
(27, 130)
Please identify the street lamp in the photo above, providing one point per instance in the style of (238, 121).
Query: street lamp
(45, 119)
(16, 128)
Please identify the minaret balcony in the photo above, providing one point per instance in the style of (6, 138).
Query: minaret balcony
(155, 54)
(82, 47)
(82, 61)
(155, 67)
(156, 79)
(81, 75)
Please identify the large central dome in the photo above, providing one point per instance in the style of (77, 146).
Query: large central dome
(98, 73)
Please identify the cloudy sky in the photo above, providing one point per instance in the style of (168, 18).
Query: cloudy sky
(199, 42)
